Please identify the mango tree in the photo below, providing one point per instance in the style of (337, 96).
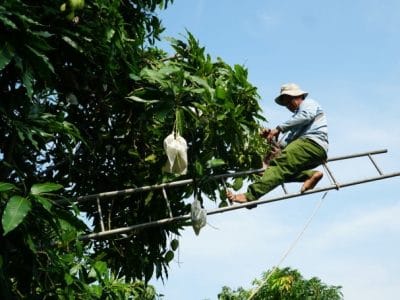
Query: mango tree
(86, 101)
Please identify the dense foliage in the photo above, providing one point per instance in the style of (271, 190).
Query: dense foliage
(284, 284)
(86, 101)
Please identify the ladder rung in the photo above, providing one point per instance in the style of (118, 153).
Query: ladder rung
(100, 215)
(375, 164)
(284, 188)
(167, 202)
(331, 177)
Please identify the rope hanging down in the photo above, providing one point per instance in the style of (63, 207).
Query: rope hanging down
(334, 185)
(291, 247)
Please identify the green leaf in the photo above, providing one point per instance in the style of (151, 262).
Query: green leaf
(238, 183)
(41, 188)
(8, 23)
(221, 117)
(134, 77)
(16, 210)
(75, 269)
(169, 69)
(43, 59)
(47, 205)
(96, 290)
(72, 43)
(151, 158)
(199, 168)
(201, 82)
(213, 163)
(27, 79)
(5, 187)
(92, 273)
(5, 56)
(109, 34)
(220, 93)
(68, 279)
(101, 267)
(148, 271)
(152, 75)
(27, 19)
(137, 99)
(29, 241)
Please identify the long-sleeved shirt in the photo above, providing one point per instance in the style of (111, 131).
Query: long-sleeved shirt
(308, 121)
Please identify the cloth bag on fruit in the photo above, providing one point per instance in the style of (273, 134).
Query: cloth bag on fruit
(198, 216)
(175, 147)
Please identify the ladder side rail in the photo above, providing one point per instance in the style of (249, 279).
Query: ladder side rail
(161, 222)
(188, 181)
(343, 157)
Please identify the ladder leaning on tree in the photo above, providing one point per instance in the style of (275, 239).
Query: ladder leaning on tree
(335, 185)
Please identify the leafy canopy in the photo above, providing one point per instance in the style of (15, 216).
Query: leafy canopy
(284, 284)
(87, 99)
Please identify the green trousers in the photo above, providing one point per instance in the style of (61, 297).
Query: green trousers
(294, 164)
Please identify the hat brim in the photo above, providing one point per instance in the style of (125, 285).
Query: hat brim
(278, 99)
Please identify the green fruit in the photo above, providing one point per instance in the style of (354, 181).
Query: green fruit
(76, 4)
(70, 16)
(63, 7)
(169, 256)
(174, 244)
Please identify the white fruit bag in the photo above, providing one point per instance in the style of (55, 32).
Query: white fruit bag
(198, 216)
(175, 147)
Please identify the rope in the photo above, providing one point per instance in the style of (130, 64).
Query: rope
(291, 246)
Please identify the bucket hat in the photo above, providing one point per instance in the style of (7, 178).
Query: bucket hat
(290, 89)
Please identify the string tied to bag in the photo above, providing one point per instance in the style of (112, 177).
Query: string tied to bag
(175, 147)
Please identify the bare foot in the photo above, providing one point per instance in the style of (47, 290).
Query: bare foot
(311, 182)
(238, 198)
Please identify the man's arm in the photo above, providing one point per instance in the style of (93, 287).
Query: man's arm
(308, 110)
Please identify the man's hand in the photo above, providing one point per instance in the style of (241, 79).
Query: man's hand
(264, 132)
(273, 133)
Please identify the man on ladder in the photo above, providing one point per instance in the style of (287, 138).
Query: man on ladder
(304, 148)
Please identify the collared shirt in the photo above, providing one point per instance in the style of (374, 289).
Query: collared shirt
(308, 121)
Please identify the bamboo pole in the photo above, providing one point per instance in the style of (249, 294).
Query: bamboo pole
(189, 181)
(108, 233)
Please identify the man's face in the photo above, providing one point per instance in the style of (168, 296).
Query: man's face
(291, 103)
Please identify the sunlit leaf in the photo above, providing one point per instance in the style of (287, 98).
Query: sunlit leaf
(47, 205)
(213, 163)
(237, 183)
(16, 210)
(7, 22)
(5, 186)
(72, 43)
(138, 99)
(41, 188)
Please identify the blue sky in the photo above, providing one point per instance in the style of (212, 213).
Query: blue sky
(346, 55)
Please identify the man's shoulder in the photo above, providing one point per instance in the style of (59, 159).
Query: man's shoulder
(309, 102)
